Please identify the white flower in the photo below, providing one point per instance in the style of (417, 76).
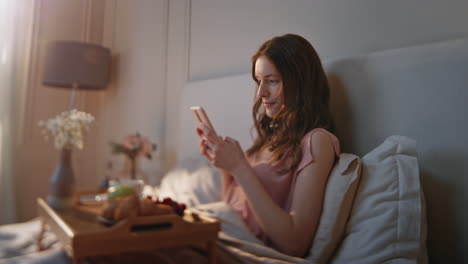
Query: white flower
(67, 128)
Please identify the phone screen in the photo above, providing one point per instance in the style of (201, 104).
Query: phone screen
(201, 116)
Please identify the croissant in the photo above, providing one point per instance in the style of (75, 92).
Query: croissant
(123, 207)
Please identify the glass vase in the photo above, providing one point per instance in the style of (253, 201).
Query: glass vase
(132, 170)
(62, 182)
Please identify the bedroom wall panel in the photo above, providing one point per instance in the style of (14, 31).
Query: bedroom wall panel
(177, 74)
(136, 32)
(224, 33)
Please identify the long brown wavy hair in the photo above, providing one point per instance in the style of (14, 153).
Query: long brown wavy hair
(306, 97)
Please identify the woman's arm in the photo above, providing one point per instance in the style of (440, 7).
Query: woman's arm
(227, 181)
(206, 151)
(298, 225)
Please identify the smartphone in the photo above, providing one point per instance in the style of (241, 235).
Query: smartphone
(201, 116)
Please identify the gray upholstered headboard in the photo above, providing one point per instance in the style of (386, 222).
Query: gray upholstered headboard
(419, 92)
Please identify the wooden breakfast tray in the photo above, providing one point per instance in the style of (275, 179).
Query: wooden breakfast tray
(82, 235)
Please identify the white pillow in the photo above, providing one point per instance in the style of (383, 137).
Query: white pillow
(338, 200)
(385, 222)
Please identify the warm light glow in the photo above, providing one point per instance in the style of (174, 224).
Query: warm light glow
(7, 17)
(1, 146)
(8, 12)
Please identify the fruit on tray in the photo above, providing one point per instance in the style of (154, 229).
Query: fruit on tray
(123, 203)
(178, 208)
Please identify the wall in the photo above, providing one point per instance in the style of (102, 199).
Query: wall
(136, 32)
(336, 28)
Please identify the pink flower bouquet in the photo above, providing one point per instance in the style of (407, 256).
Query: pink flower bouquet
(134, 146)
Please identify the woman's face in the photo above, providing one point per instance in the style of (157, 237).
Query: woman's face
(270, 86)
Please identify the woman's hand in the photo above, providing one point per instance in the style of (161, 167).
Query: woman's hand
(224, 153)
(204, 133)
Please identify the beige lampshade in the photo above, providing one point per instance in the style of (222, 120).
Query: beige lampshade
(85, 64)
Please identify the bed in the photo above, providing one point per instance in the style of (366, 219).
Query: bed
(419, 92)
(401, 111)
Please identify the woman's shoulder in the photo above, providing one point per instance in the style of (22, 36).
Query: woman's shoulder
(316, 138)
(319, 136)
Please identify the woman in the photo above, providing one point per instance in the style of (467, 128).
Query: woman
(278, 185)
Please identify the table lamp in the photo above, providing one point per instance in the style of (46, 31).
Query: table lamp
(77, 65)
(74, 65)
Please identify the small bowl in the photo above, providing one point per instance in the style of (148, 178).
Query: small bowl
(136, 184)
